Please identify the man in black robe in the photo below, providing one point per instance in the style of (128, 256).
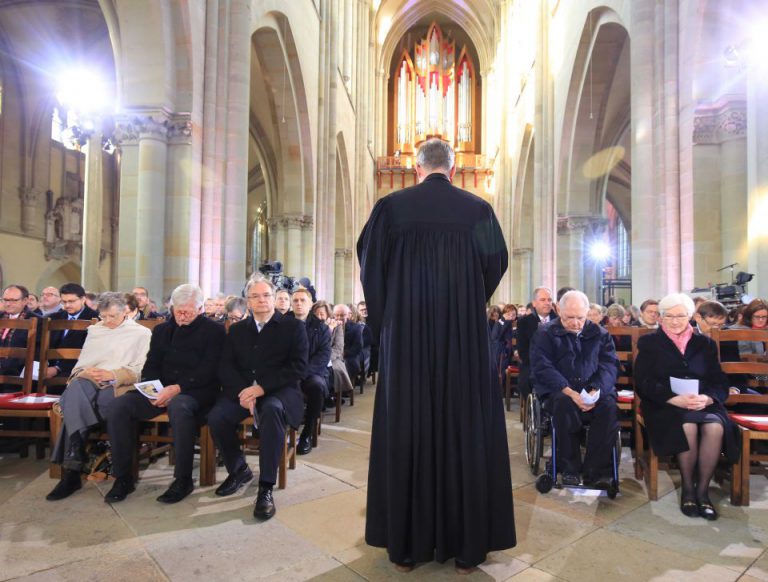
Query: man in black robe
(439, 483)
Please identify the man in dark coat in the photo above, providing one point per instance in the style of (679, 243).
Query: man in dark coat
(569, 355)
(262, 364)
(184, 355)
(15, 300)
(73, 308)
(541, 313)
(314, 383)
(439, 483)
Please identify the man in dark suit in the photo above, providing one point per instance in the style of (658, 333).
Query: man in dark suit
(142, 299)
(15, 302)
(184, 355)
(314, 383)
(353, 341)
(73, 308)
(262, 364)
(542, 313)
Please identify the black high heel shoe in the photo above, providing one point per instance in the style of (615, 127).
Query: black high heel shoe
(707, 510)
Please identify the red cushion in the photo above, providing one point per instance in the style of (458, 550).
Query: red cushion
(751, 421)
(11, 401)
(627, 398)
(512, 369)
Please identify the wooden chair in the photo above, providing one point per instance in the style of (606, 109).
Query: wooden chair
(18, 404)
(48, 354)
(512, 373)
(752, 427)
(627, 382)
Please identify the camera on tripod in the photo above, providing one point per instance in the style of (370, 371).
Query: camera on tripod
(730, 294)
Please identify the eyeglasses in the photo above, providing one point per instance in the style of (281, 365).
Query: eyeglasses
(676, 317)
(49, 294)
(8, 300)
(760, 317)
(262, 296)
(184, 313)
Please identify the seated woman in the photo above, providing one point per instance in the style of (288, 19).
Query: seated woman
(235, 309)
(754, 316)
(184, 355)
(109, 364)
(339, 380)
(695, 427)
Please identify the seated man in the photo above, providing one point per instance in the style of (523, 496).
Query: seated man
(15, 299)
(567, 356)
(73, 308)
(314, 383)
(353, 341)
(184, 355)
(111, 361)
(262, 364)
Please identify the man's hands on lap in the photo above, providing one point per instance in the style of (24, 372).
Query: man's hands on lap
(249, 395)
(166, 395)
(576, 397)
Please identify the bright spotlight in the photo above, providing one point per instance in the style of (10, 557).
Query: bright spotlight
(600, 251)
(83, 91)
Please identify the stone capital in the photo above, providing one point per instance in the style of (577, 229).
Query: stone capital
(581, 224)
(342, 253)
(719, 122)
(288, 221)
(522, 252)
(133, 127)
(180, 129)
(29, 196)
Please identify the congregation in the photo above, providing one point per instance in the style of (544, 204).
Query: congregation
(279, 358)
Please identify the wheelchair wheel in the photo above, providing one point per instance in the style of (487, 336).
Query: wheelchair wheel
(612, 490)
(534, 435)
(544, 483)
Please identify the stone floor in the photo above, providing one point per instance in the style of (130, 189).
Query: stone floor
(318, 530)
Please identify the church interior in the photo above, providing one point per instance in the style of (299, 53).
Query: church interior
(149, 143)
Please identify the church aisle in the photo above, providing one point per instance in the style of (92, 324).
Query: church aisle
(318, 530)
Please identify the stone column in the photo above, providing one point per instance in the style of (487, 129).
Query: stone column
(126, 136)
(544, 213)
(93, 210)
(522, 270)
(339, 275)
(30, 197)
(757, 156)
(150, 204)
(656, 244)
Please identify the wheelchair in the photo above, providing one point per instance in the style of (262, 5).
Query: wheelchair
(537, 426)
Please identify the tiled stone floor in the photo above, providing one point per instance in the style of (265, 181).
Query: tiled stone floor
(318, 530)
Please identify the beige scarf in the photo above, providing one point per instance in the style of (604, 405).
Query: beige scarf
(122, 350)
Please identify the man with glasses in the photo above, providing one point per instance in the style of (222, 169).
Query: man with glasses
(73, 309)
(50, 302)
(262, 364)
(184, 355)
(15, 301)
(145, 308)
(568, 356)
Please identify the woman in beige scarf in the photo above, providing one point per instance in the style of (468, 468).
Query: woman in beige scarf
(109, 364)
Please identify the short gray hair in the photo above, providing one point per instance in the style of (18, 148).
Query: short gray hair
(536, 292)
(574, 295)
(435, 154)
(258, 277)
(236, 303)
(110, 299)
(675, 299)
(187, 293)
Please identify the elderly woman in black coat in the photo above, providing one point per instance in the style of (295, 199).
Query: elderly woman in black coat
(690, 426)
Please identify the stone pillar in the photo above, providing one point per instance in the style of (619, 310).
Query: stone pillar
(30, 197)
(757, 156)
(340, 275)
(522, 269)
(150, 204)
(126, 136)
(544, 213)
(93, 211)
(656, 244)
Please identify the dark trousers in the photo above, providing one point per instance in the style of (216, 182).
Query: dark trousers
(129, 408)
(524, 382)
(568, 421)
(314, 389)
(224, 420)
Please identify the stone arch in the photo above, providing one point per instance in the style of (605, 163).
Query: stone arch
(598, 108)
(59, 273)
(278, 63)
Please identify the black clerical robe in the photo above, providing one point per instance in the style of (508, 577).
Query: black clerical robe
(439, 483)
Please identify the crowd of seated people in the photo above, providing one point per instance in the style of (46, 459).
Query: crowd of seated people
(215, 380)
(210, 372)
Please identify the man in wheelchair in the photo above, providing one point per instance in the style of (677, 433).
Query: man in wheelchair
(572, 362)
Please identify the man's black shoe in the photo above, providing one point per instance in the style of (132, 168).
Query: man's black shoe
(571, 480)
(120, 490)
(69, 483)
(305, 444)
(74, 457)
(177, 491)
(265, 504)
(234, 482)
